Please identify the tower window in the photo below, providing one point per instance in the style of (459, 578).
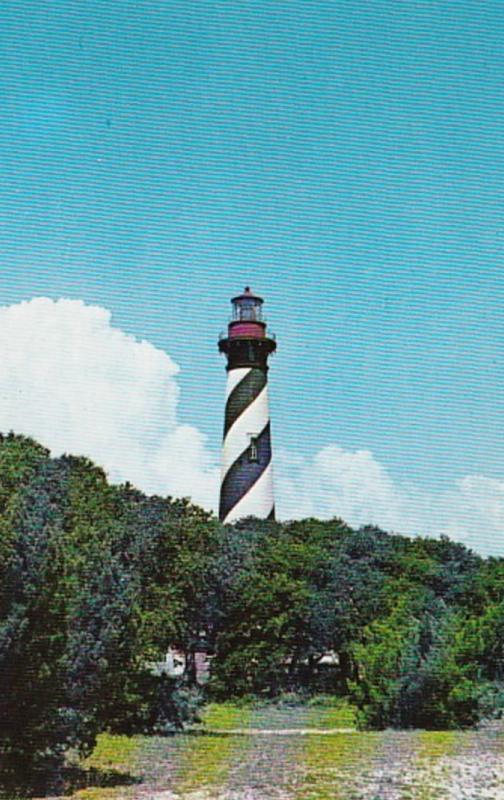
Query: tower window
(253, 453)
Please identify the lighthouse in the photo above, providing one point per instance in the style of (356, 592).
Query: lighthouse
(247, 478)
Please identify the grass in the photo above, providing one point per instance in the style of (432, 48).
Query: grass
(194, 761)
(334, 712)
(351, 765)
(113, 761)
(225, 716)
(207, 759)
(332, 765)
(114, 752)
(432, 747)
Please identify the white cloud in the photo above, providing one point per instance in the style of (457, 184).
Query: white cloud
(357, 488)
(352, 485)
(78, 385)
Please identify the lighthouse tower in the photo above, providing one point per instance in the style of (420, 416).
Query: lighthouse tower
(247, 479)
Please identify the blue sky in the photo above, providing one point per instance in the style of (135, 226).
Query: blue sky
(345, 159)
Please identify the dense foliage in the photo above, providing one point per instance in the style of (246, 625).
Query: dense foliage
(97, 581)
(91, 586)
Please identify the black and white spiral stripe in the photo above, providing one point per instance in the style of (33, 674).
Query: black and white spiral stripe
(247, 478)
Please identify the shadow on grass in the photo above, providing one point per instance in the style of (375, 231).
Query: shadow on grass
(68, 781)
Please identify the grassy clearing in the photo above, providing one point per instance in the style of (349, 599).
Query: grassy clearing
(225, 716)
(185, 762)
(332, 712)
(430, 771)
(353, 765)
(334, 765)
(114, 752)
(113, 757)
(208, 758)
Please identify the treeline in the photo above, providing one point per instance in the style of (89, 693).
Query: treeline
(97, 581)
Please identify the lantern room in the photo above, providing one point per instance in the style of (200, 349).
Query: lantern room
(247, 306)
(247, 343)
(247, 319)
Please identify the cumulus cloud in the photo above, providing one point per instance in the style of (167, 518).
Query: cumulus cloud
(353, 485)
(77, 384)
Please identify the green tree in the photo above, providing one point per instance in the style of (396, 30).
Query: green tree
(73, 654)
